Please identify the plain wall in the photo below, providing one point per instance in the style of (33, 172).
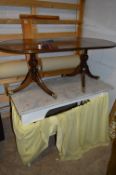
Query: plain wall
(100, 22)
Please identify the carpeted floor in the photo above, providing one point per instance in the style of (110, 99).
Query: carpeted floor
(93, 163)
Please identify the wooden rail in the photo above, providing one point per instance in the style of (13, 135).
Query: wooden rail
(42, 4)
(17, 21)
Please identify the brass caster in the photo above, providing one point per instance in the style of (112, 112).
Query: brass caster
(54, 96)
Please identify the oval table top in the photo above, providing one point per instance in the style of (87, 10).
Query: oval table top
(21, 46)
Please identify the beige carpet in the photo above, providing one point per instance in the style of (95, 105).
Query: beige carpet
(93, 163)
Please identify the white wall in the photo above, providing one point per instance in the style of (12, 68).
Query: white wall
(100, 22)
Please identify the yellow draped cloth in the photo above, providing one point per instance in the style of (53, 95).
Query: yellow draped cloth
(78, 130)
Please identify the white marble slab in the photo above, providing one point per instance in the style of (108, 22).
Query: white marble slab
(33, 103)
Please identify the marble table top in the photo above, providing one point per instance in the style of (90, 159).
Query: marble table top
(33, 103)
